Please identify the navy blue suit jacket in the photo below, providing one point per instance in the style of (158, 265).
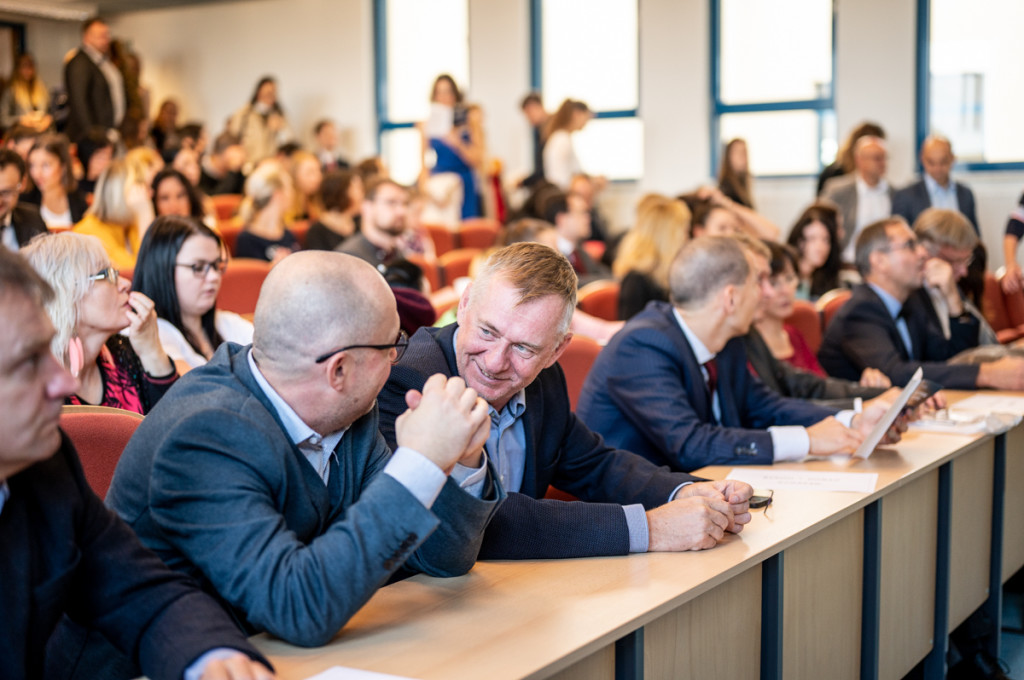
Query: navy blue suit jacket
(646, 393)
(63, 552)
(561, 451)
(863, 334)
(911, 201)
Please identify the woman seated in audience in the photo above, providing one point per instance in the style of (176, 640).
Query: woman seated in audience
(261, 125)
(734, 174)
(179, 268)
(120, 212)
(647, 250)
(268, 195)
(49, 166)
(306, 178)
(784, 340)
(173, 194)
(454, 135)
(341, 194)
(90, 307)
(186, 161)
(164, 128)
(748, 221)
(144, 162)
(814, 236)
(26, 101)
(560, 161)
(95, 151)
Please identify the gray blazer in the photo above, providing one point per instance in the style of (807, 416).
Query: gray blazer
(212, 484)
(842, 191)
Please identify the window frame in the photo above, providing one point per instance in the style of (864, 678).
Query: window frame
(922, 97)
(820, 105)
(537, 70)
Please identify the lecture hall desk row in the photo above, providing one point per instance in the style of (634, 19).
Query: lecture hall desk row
(826, 585)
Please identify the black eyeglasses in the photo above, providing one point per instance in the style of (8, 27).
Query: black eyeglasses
(399, 345)
(109, 274)
(762, 499)
(909, 244)
(201, 269)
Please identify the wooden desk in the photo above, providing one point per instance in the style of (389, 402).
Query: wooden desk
(823, 585)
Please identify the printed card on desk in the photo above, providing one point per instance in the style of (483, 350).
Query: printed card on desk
(992, 403)
(341, 673)
(861, 482)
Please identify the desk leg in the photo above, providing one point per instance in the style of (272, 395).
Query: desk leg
(871, 614)
(993, 607)
(629, 656)
(935, 662)
(771, 617)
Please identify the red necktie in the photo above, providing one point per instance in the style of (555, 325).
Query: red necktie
(712, 368)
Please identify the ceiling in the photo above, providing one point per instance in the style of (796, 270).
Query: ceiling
(76, 10)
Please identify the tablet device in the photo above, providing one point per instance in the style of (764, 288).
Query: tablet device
(883, 425)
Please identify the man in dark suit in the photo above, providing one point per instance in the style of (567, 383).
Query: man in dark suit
(935, 189)
(63, 552)
(513, 324)
(571, 217)
(673, 385)
(886, 323)
(19, 223)
(95, 86)
(263, 474)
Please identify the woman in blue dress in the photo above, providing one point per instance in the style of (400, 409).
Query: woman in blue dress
(458, 147)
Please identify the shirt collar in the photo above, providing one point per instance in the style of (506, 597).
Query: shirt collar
(892, 305)
(934, 187)
(298, 431)
(700, 351)
(94, 54)
(565, 246)
(880, 188)
(5, 493)
(515, 406)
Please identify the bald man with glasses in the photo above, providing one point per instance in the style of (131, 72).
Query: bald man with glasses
(264, 475)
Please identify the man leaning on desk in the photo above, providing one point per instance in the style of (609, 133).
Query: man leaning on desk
(674, 385)
(262, 474)
(513, 324)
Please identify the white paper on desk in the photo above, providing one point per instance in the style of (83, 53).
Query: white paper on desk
(861, 482)
(992, 403)
(341, 673)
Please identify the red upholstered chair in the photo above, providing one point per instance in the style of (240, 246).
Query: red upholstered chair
(829, 303)
(478, 233)
(994, 306)
(225, 205)
(229, 232)
(600, 299)
(444, 238)
(430, 271)
(100, 434)
(299, 229)
(240, 286)
(595, 249)
(576, 361)
(805, 319)
(456, 263)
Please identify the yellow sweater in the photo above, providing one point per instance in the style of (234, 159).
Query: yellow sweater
(121, 243)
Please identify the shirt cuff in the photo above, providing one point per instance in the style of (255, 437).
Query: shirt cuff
(675, 491)
(196, 669)
(471, 480)
(846, 417)
(636, 522)
(421, 477)
(789, 442)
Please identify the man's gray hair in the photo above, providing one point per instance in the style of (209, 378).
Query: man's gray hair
(704, 266)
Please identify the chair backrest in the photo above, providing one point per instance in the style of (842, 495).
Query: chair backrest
(829, 303)
(994, 304)
(576, 361)
(100, 434)
(225, 205)
(299, 229)
(444, 238)
(456, 263)
(240, 286)
(595, 249)
(478, 233)
(805, 318)
(430, 270)
(600, 299)
(229, 232)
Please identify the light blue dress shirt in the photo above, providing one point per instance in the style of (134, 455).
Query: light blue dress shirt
(941, 197)
(893, 306)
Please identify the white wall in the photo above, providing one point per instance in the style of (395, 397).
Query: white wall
(48, 40)
(322, 53)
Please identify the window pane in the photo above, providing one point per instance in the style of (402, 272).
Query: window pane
(613, 147)
(401, 150)
(977, 67)
(775, 50)
(782, 142)
(590, 53)
(424, 39)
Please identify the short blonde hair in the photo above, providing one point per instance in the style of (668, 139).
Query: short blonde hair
(945, 228)
(66, 261)
(109, 204)
(662, 227)
(268, 178)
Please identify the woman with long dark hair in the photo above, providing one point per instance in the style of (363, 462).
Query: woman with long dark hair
(560, 161)
(49, 167)
(180, 265)
(261, 124)
(815, 236)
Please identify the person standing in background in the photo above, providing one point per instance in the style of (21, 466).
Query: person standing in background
(95, 86)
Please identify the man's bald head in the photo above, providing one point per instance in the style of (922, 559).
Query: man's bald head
(937, 158)
(870, 157)
(315, 301)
